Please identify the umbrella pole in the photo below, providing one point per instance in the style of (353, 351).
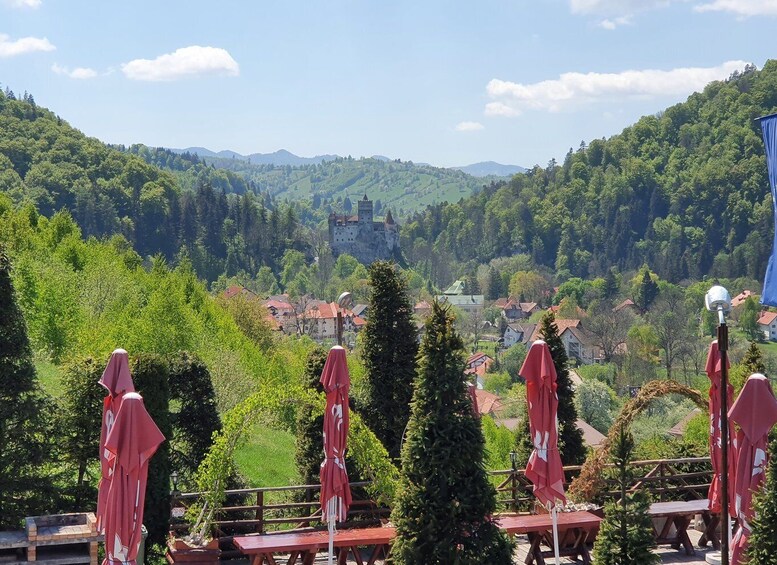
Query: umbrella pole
(331, 520)
(554, 519)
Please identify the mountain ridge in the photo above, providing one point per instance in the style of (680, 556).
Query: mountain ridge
(283, 157)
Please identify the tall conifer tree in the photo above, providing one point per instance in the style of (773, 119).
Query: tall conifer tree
(390, 348)
(570, 438)
(444, 501)
(763, 539)
(23, 409)
(626, 534)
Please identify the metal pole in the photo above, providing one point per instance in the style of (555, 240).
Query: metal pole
(724, 518)
(339, 329)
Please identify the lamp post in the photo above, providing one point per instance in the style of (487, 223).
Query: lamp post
(343, 301)
(718, 300)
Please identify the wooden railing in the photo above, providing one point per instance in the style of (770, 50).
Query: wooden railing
(265, 510)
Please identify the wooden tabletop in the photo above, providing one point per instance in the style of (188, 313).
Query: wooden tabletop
(690, 507)
(280, 542)
(539, 522)
(313, 540)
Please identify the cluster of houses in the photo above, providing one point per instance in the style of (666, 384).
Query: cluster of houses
(318, 319)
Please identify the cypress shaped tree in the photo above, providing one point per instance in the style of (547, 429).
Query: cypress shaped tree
(24, 449)
(150, 375)
(445, 501)
(389, 352)
(626, 533)
(763, 539)
(80, 422)
(570, 438)
(310, 425)
(196, 418)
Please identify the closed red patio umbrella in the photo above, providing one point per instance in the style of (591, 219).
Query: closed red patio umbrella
(713, 371)
(335, 490)
(117, 380)
(755, 412)
(133, 439)
(544, 468)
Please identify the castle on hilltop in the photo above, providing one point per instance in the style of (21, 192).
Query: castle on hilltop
(363, 238)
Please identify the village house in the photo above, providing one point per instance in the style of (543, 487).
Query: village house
(517, 333)
(477, 364)
(740, 298)
(322, 321)
(578, 343)
(469, 303)
(422, 309)
(767, 323)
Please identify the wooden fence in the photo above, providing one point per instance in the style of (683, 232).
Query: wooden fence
(271, 509)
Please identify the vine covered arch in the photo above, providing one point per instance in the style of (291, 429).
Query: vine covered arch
(590, 482)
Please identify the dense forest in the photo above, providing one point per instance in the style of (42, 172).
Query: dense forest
(330, 186)
(684, 191)
(46, 162)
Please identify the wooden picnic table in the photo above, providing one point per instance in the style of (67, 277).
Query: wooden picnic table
(679, 514)
(574, 531)
(305, 545)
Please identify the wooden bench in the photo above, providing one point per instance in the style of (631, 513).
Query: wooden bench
(679, 515)
(574, 531)
(305, 545)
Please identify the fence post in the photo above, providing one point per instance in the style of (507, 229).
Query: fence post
(662, 482)
(260, 512)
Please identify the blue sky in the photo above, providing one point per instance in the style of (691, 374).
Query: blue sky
(444, 82)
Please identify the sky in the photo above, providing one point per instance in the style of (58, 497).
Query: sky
(443, 82)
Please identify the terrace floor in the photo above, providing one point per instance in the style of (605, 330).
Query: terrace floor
(668, 555)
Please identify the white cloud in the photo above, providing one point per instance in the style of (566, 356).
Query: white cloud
(573, 89)
(743, 8)
(615, 22)
(77, 73)
(34, 4)
(23, 45)
(615, 7)
(186, 62)
(469, 126)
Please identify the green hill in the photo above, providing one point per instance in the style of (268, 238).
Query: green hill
(684, 190)
(402, 187)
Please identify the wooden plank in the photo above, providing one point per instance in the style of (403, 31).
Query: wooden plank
(542, 522)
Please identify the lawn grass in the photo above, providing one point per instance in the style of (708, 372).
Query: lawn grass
(49, 377)
(267, 458)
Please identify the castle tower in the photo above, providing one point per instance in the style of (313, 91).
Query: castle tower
(365, 211)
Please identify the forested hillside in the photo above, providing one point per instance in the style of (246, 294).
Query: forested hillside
(401, 186)
(46, 162)
(685, 191)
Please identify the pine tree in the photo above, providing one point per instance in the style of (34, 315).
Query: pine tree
(445, 501)
(495, 284)
(647, 291)
(763, 539)
(389, 352)
(753, 360)
(24, 449)
(626, 533)
(570, 438)
(610, 289)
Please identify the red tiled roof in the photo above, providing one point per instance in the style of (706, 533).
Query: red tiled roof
(235, 289)
(488, 402)
(740, 298)
(628, 303)
(561, 324)
(767, 318)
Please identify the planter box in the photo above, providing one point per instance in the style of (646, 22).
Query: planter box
(178, 551)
